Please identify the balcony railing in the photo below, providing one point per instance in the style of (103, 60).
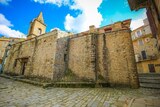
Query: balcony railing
(152, 57)
(149, 57)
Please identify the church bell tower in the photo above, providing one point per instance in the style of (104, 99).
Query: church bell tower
(37, 27)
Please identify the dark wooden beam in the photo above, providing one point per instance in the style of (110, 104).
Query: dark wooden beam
(137, 4)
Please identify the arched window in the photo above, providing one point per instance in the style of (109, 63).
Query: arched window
(39, 31)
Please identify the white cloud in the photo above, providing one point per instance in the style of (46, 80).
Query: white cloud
(5, 29)
(89, 14)
(5, 2)
(4, 21)
(56, 2)
(136, 23)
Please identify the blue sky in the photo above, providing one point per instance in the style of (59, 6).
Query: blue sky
(67, 15)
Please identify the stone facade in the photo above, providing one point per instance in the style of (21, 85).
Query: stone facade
(81, 57)
(37, 27)
(145, 48)
(98, 55)
(3, 44)
(94, 55)
(153, 15)
(35, 57)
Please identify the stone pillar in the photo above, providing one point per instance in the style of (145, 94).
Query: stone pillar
(92, 29)
(132, 67)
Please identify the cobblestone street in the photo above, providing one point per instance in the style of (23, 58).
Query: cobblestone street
(18, 94)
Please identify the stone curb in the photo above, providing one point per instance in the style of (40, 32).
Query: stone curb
(58, 84)
(24, 80)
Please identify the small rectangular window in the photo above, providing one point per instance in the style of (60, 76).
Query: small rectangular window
(144, 56)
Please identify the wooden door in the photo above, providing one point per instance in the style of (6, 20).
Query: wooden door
(151, 68)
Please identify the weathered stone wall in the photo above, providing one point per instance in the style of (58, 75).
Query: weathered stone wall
(40, 54)
(104, 56)
(9, 63)
(3, 45)
(24, 50)
(116, 57)
(13, 62)
(100, 55)
(61, 59)
(80, 57)
(45, 56)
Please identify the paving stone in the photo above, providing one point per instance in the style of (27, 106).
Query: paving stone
(19, 94)
(150, 106)
(138, 105)
(106, 104)
(156, 102)
(140, 100)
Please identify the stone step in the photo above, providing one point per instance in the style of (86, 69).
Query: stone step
(150, 85)
(157, 78)
(151, 80)
(149, 75)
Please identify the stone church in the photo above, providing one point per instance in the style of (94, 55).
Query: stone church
(102, 54)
